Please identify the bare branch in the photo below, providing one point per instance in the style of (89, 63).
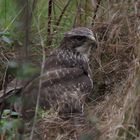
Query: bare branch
(49, 38)
(62, 13)
(95, 12)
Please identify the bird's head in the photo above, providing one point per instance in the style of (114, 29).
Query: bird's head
(81, 39)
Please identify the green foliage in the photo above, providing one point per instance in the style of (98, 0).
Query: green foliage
(8, 112)
(8, 128)
(41, 113)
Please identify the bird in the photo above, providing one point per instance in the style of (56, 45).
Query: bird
(66, 81)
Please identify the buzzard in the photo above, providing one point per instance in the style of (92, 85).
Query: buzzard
(66, 80)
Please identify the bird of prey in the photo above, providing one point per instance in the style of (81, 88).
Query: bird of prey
(66, 81)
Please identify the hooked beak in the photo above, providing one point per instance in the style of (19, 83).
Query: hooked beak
(92, 38)
(93, 41)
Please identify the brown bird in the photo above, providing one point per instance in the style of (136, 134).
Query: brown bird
(66, 81)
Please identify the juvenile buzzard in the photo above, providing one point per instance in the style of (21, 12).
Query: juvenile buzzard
(66, 81)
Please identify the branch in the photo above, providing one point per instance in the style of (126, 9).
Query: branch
(62, 13)
(95, 12)
(50, 3)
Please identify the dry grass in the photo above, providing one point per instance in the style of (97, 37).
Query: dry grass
(74, 128)
(118, 63)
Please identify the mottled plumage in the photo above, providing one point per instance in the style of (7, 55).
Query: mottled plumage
(66, 81)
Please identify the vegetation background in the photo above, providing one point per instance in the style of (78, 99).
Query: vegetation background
(30, 29)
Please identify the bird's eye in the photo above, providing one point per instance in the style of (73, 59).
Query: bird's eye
(79, 38)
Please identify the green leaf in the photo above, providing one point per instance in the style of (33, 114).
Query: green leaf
(6, 112)
(7, 34)
(10, 126)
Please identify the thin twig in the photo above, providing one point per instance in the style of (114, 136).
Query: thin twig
(62, 13)
(27, 15)
(5, 8)
(10, 24)
(34, 5)
(50, 4)
(54, 11)
(78, 13)
(86, 10)
(95, 12)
